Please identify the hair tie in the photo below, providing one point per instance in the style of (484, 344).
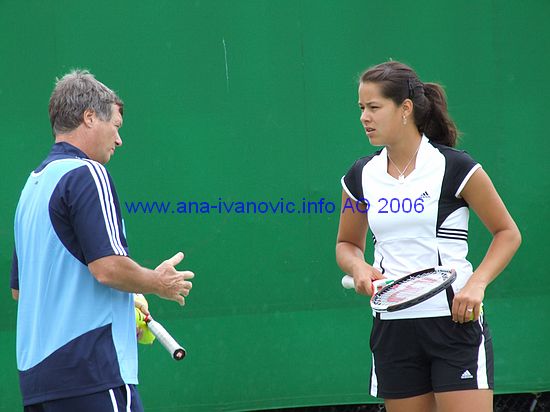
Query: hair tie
(411, 89)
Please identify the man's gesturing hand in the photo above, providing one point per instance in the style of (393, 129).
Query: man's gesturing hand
(173, 283)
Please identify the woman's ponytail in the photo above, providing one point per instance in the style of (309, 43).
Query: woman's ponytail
(437, 124)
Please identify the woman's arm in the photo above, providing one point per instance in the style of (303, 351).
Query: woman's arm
(483, 198)
(350, 245)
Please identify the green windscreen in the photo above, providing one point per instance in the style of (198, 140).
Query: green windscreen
(251, 106)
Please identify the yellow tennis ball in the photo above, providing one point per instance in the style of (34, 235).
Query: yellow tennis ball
(145, 336)
(480, 312)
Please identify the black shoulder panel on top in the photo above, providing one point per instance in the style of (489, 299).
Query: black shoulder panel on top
(352, 179)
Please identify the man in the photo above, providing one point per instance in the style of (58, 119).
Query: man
(71, 273)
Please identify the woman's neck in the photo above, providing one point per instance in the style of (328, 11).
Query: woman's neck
(402, 151)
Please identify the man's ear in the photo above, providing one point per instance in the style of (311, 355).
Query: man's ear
(89, 117)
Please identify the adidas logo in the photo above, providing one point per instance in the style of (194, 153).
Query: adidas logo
(424, 195)
(466, 375)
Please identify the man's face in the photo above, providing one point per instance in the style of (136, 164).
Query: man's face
(105, 137)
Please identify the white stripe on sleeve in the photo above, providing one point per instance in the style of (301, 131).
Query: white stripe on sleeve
(107, 207)
(465, 180)
(110, 201)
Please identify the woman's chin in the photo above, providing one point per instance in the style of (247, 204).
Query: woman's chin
(374, 141)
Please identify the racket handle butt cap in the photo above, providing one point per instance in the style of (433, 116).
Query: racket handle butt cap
(179, 354)
(347, 282)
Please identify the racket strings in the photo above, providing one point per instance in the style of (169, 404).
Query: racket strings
(410, 288)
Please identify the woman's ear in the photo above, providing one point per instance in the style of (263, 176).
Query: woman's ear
(407, 107)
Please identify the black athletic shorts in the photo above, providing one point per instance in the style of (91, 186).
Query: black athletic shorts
(412, 357)
(122, 399)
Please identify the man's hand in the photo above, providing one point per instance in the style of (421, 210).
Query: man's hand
(173, 283)
(122, 273)
(141, 303)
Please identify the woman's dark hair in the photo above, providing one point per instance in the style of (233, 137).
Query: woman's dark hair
(399, 82)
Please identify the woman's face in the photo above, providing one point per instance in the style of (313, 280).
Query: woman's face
(381, 118)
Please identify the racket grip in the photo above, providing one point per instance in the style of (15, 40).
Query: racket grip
(166, 340)
(379, 284)
(347, 282)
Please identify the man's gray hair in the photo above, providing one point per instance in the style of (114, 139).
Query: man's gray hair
(73, 94)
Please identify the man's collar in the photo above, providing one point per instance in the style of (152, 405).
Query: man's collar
(68, 149)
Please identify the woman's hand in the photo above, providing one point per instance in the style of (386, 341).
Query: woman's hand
(467, 302)
(363, 276)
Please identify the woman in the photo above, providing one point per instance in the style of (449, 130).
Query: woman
(415, 195)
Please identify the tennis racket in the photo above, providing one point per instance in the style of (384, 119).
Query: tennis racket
(166, 340)
(407, 291)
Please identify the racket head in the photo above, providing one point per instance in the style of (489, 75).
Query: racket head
(412, 289)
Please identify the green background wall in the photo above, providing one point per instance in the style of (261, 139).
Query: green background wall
(256, 100)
